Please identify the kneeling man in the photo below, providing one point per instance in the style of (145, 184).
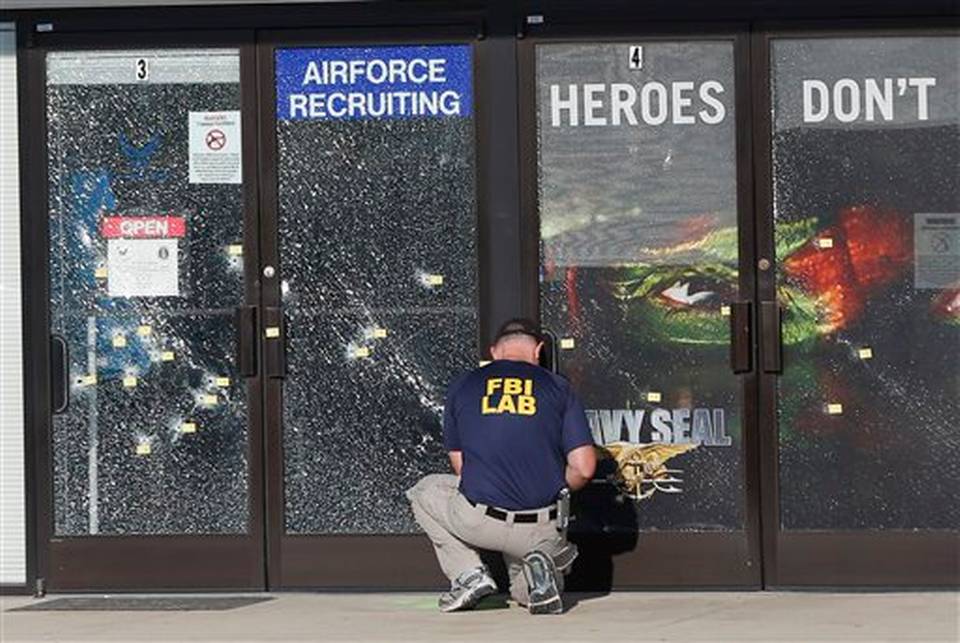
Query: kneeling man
(517, 438)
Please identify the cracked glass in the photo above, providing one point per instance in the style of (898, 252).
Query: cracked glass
(639, 260)
(866, 184)
(377, 230)
(145, 271)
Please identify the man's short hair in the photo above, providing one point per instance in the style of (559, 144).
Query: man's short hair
(518, 326)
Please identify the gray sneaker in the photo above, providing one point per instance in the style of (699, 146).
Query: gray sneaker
(540, 573)
(467, 590)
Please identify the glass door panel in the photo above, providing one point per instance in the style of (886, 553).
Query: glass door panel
(376, 255)
(377, 229)
(640, 268)
(866, 215)
(866, 153)
(146, 271)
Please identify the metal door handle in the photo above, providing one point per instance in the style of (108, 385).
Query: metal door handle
(741, 336)
(245, 319)
(771, 347)
(275, 343)
(59, 374)
(550, 354)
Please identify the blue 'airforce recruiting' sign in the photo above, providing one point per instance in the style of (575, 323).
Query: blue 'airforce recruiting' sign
(359, 83)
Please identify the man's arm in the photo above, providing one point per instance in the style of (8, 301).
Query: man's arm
(451, 434)
(456, 461)
(581, 464)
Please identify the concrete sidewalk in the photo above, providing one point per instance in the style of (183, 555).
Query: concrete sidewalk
(623, 616)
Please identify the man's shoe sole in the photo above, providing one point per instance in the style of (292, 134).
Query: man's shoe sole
(470, 598)
(554, 606)
(540, 573)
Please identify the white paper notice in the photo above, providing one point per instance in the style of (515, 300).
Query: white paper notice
(142, 268)
(215, 147)
(936, 250)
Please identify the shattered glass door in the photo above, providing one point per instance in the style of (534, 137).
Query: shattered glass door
(639, 265)
(146, 229)
(866, 186)
(377, 238)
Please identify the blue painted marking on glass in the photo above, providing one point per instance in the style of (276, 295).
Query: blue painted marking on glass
(373, 83)
(140, 158)
(91, 195)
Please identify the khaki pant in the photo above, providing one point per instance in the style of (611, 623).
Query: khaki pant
(457, 529)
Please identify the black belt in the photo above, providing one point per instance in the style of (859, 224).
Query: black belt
(518, 516)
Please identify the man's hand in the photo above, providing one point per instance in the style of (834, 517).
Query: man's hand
(456, 461)
(581, 464)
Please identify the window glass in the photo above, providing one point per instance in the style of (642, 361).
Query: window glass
(378, 253)
(638, 223)
(146, 230)
(866, 182)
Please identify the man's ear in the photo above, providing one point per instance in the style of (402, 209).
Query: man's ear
(536, 351)
(494, 353)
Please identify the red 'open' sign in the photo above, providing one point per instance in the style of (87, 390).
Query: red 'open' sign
(142, 227)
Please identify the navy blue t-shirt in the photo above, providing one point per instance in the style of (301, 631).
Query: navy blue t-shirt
(514, 424)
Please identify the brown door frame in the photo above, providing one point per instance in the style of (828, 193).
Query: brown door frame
(129, 563)
(331, 561)
(818, 558)
(722, 559)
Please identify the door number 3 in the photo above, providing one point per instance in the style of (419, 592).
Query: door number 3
(142, 69)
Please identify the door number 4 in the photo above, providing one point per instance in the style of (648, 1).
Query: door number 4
(636, 57)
